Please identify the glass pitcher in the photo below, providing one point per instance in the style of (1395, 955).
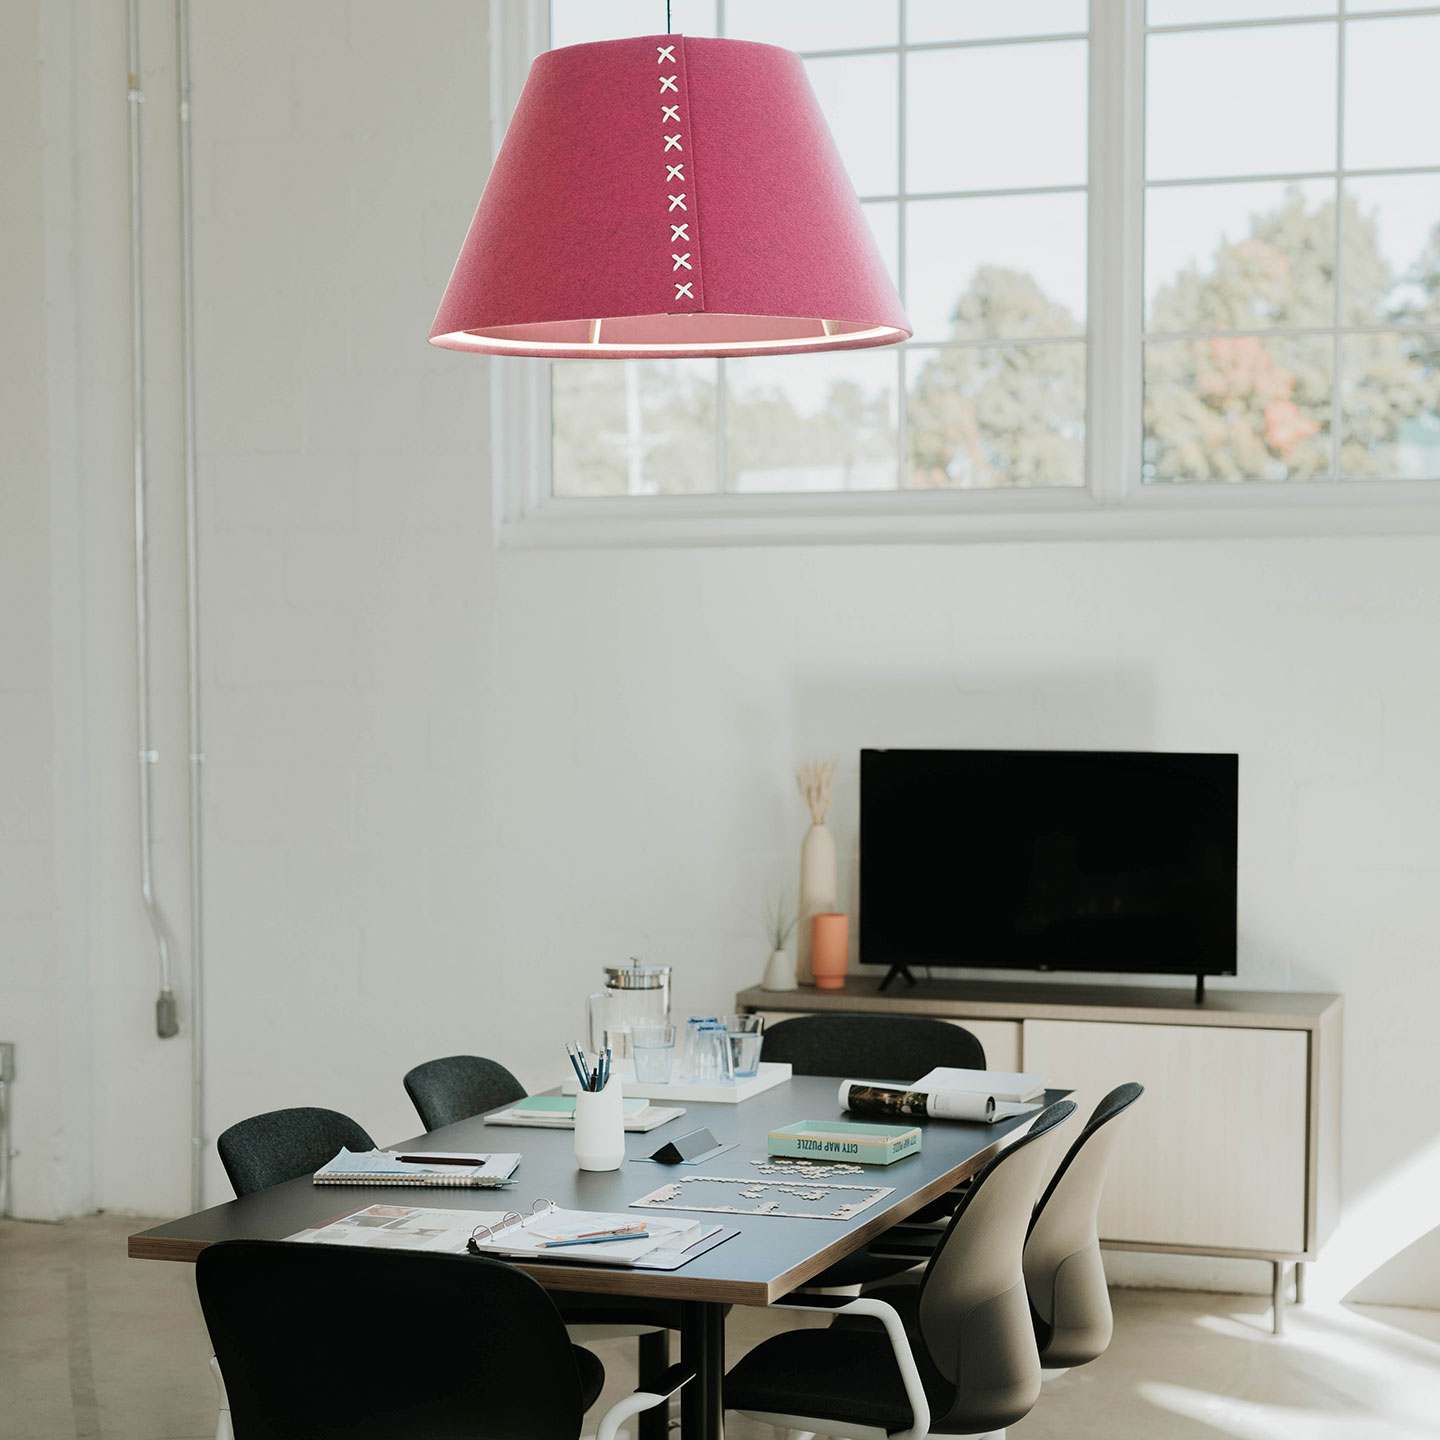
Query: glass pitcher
(634, 994)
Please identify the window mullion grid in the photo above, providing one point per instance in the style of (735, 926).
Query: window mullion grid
(902, 407)
(1337, 276)
(1114, 385)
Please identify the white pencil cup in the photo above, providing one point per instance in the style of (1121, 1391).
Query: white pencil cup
(600, 1128)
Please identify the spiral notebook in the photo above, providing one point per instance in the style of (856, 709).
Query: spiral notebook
(435, 1169)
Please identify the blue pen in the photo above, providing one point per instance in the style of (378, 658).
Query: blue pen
(575, 1064)
(594, 1239)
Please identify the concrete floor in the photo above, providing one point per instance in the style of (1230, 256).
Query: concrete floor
(98, 1347)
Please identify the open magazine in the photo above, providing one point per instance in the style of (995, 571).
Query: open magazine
(892, 1101)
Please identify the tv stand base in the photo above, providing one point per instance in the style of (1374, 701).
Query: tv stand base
(896, 972)
(1199, 989)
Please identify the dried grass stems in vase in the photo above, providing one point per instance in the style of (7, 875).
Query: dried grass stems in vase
(816, 783)
(779, 927)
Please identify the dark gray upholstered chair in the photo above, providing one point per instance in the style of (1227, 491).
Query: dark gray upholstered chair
(871, 1047)
(459, 1086)
(456, 1087)
(953, 1355)
(323, 1341)
(280, 1145)
(1064, 1274)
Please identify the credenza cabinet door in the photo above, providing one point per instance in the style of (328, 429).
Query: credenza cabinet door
(1001, 1039)
(1213, 1155)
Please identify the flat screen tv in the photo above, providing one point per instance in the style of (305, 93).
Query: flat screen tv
(1048, 860)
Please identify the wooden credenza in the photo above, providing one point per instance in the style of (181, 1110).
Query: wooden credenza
(1235, 1149)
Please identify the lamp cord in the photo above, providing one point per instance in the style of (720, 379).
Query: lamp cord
(667, 16)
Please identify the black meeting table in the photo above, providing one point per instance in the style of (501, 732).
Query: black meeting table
(771, 1255)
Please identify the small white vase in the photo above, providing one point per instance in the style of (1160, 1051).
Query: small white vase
(817, 893)
(780, 972)
(600, 1128)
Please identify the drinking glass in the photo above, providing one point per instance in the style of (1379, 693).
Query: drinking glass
(652, 1047)
(693, 1026)
(745, 1034)
(710, 1055)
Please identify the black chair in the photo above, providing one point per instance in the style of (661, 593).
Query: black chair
(456, 1087)
(459, 1086)
(322, 1341)
(280, 1145)
(871, 1047)
(1064, 1274)
(953, 1355)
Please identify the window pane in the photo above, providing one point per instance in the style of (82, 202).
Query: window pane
(1392, 249)
(812, 24)
(1239, 257)
(811, 422)
(1238, 407)
(1007, 267)
(1209, 12)
(931, 20)
(1391, 407)
(996, 119)
(980, 417)
(1274, 114)
(1359, 7)
(1390, 108)
(576, 22)
(884, 219)
(858, 95)
(633, 427)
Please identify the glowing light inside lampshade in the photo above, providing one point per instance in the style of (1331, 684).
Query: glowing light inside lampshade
(668, 196)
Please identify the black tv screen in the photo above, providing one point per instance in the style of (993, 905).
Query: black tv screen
(1048, 860)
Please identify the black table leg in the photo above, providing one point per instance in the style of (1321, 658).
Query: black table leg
(654, 1361)
(702, 1344)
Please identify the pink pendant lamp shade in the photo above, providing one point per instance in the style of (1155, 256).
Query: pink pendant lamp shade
(665, 196)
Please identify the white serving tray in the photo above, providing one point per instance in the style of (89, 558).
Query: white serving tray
(772, 1073)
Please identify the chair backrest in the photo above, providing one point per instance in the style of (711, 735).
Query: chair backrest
(974, 1314)
(280, 1145)
(321, 1341)
(459, 1086)
(1064, 1273)
(871, 1047)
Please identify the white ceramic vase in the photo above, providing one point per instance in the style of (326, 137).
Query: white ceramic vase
(600, 1128)
(817, 893)
(780, 972)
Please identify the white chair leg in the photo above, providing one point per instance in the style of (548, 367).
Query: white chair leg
(223, 1430)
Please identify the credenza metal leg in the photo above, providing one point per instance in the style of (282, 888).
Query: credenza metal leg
(1299, 1282)
(1277, 1295)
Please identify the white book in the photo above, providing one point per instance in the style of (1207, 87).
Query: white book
(1004, 1085)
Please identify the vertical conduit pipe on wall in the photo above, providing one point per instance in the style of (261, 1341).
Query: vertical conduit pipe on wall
(192, 614)
(167, 1022)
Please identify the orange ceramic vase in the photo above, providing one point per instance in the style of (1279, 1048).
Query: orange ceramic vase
(830, 949)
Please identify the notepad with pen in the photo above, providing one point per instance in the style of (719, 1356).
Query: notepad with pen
(437, 1169)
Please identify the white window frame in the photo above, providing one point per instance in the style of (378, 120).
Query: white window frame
(1115, 503)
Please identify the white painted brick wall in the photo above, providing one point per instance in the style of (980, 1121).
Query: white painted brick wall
(445, 785)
